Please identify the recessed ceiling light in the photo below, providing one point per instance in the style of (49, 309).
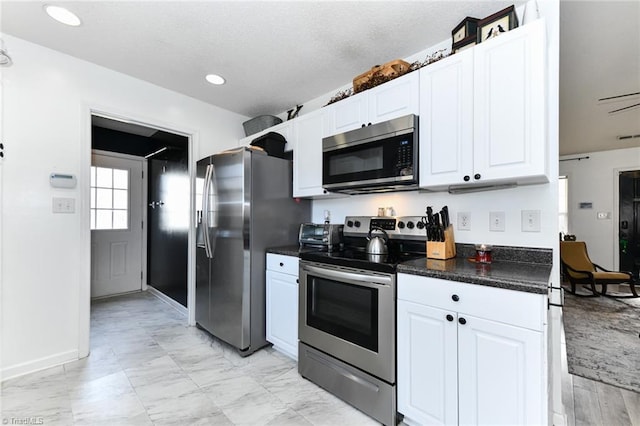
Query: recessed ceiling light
(215, 79)
(62, 15)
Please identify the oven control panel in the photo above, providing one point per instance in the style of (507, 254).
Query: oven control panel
(410, 227)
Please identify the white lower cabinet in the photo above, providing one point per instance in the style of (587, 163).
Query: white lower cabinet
(469, 355)
(282, 303)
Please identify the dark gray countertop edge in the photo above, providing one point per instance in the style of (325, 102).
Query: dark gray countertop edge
(503, 256)
(292, 250)
(537, 287)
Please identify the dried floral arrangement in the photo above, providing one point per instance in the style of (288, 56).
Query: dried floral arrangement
(379, 79)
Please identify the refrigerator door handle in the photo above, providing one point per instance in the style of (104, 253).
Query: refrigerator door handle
(205, 211)
(214, 181)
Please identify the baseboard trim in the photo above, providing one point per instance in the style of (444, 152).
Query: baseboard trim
(38, 365)
(559, 419)
(166, 299)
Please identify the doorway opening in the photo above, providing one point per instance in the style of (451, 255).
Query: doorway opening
(154, 219)
(629, 221)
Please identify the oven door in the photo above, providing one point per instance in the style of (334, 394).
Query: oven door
(349, 314)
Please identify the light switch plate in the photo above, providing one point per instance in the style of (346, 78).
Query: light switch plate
(63, 205)
(530, 220)
(496, 221)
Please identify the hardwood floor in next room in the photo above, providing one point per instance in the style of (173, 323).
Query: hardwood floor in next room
(147, 367)
(591, 403)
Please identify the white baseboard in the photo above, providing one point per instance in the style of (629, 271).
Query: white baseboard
(38, 364)
(559, 419)
(166, 299)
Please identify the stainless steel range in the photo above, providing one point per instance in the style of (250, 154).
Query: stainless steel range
(347, 312)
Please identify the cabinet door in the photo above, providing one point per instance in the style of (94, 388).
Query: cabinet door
(307, 154)
(501, 373)
(345, 115)
(282, 312)
(509, 106)
(446, 121)
(427, 367)
(395, 98)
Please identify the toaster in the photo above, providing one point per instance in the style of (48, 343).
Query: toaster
(327, 235)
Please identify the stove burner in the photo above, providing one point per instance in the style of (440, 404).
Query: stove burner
(358, 258)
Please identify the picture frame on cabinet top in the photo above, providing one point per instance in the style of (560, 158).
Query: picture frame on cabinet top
(464, 29)
(464, 44)
(500, 22)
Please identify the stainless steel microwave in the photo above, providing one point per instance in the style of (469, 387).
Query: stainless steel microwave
(381, 157)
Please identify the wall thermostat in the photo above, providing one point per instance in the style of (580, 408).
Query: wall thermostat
(58, 180)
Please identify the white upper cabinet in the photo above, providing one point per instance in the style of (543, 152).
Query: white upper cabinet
(509, 105)
(347, 114)
(307, 157)
(483, 113)
(395, 98)
(446, 120)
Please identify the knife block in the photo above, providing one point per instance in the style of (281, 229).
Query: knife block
(442, 249)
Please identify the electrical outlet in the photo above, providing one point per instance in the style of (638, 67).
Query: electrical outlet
(496, 221)
(604, 215)
(530, 220)
(464, 221)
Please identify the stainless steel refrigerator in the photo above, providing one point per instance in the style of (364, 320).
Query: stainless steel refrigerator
(247, 206)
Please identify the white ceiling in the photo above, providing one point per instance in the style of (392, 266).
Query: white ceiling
(275, 55)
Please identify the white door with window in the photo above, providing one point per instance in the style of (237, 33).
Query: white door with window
(116, 224)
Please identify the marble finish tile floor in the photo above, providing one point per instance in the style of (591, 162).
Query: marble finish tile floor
(147, 367)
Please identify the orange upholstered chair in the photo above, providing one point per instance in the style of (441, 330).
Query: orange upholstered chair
(579, 269)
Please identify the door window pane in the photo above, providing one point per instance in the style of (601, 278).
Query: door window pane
(109, 198)
(120, 179)
(104, 198)
(104, 177)
(104, 219)
(120, 199)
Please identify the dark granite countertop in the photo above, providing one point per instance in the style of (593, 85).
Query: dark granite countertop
(291, 250)
(513, 268)
(520, 276)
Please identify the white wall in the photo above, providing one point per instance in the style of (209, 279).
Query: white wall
(479, 204)
(594, 180)
(46, 99)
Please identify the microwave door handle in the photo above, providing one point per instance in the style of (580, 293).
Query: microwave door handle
(371, 281)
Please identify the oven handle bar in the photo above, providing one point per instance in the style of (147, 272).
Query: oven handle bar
(364, 279)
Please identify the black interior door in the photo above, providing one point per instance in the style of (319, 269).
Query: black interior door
(168, 227)
(629, 226)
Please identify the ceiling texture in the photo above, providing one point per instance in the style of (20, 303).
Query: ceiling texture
(277, 54)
